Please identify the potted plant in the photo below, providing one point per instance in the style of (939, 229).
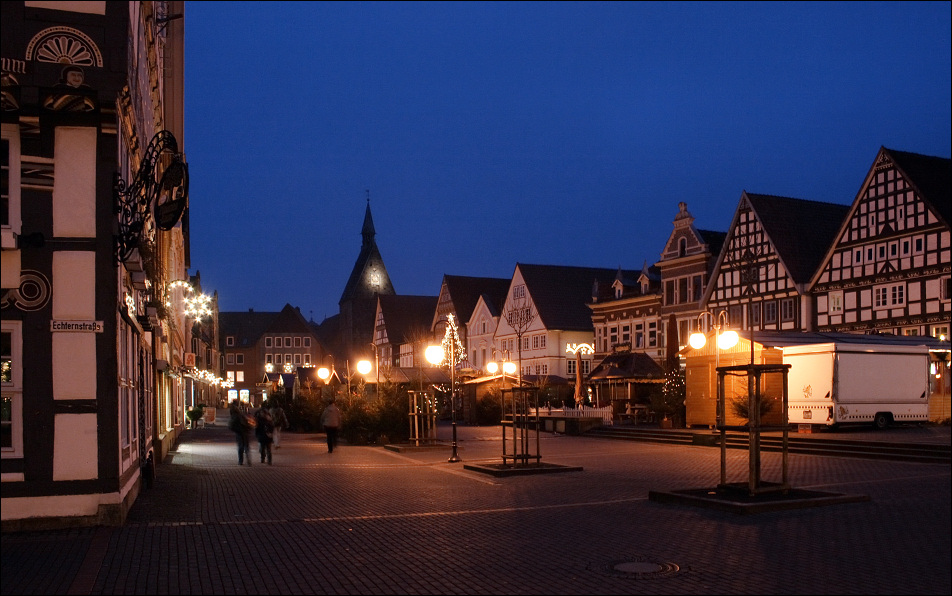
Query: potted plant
(195, 414)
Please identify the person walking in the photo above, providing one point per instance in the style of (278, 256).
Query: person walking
(264, 431)
(238, 423)
(280, 423)
(330, 420)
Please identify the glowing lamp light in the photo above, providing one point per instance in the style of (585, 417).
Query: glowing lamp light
(323, 373)
(492, 367)
(727, 340)
(269, 367)
(434, 354)
(697, 340)
(363, 367)
(509, 367)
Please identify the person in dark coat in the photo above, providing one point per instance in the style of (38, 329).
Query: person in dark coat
(330, 420)
(238, 423)
(264, 431)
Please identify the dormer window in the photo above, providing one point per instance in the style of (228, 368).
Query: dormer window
(619, 289)
(682, 247)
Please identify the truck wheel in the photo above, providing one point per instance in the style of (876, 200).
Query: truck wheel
(881, 420)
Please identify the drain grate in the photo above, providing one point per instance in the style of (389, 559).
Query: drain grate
(637, 568)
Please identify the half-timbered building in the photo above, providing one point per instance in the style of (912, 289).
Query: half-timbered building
(773, 247)
(95, 345)
(889, 269)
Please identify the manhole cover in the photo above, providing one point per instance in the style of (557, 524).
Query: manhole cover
(637, 568)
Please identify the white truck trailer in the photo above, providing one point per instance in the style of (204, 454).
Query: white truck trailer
(842, 383)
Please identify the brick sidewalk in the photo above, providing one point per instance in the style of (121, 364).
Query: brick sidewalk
(368, 520)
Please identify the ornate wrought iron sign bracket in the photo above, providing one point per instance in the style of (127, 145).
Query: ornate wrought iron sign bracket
(155, 198)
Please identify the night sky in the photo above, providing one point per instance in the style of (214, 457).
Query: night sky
(489, 134)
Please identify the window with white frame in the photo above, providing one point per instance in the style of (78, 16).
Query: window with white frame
(787, 310)
(889, 296)
(230, 341)
(268, 342)
(535, 342)
(11, 384)
(287, 342)
(542, 341)
(229, 359)
(297, 342)
(836, 303)
(240, 376)
(652, 334)
(519, 291)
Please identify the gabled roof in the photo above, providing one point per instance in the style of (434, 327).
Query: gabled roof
(465, 292)
(627, 365)
(329, 333)
(928, 175)
(246, 327)
(309, 373)
(404, 315)
(291, 320)
(561, 293)
(799, 230)
(931, 176)
(715, 240)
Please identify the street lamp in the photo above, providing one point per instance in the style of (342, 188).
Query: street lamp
(507, 365)
(377, 369)
(724, 341)
(435, 355)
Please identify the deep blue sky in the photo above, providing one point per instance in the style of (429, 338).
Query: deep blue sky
(548, 133)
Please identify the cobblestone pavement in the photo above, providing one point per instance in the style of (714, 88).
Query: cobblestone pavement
(371, 520)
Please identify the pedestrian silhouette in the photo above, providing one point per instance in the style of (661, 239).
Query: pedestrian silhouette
(330, 420)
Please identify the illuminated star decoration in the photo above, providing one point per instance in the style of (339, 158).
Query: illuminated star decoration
(197, 306)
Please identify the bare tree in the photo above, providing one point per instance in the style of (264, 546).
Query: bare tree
(519, 315)
(419, 337)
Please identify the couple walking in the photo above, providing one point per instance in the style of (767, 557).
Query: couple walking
(267, 424)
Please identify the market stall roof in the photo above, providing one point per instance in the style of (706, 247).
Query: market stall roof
(632, 366)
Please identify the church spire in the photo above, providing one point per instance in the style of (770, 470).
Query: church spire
(368, 231)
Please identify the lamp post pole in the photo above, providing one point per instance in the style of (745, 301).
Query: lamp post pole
(727, 341)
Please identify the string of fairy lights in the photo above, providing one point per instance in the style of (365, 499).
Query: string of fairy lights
(196, 306)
